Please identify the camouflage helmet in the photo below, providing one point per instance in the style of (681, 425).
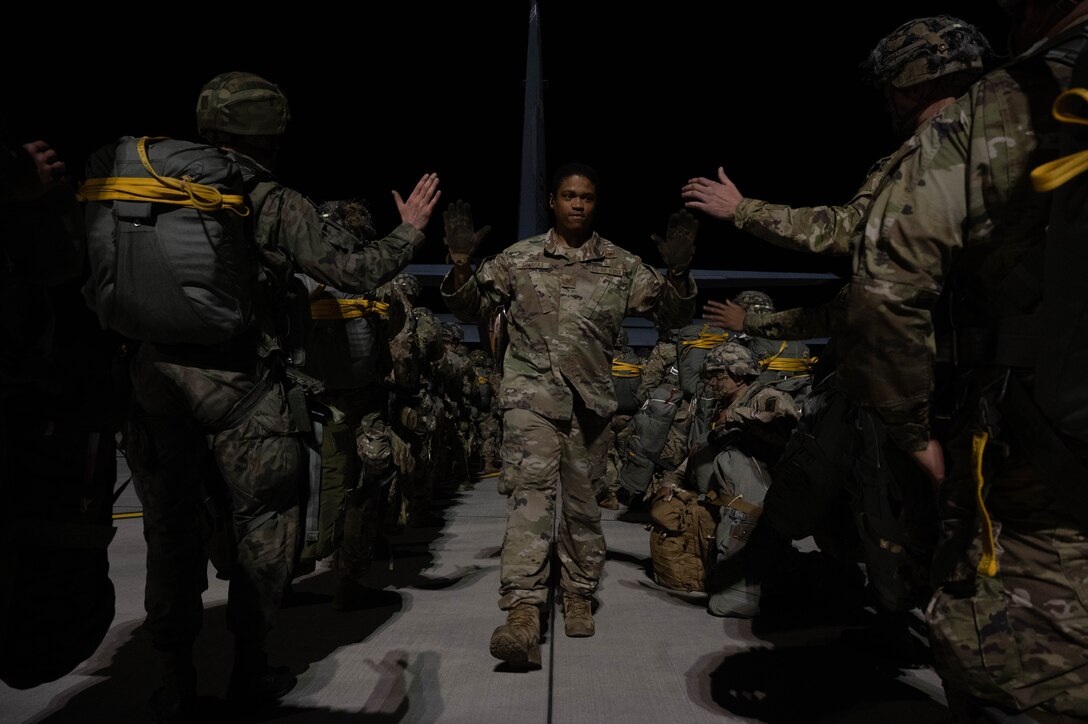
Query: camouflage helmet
(480, 358)
(243, 104)
(734, 358)
(452, 332)
(924, 49)
(407, 284)
(754, 301)
(352, 214)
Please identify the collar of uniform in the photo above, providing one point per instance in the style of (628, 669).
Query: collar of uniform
(592, 249)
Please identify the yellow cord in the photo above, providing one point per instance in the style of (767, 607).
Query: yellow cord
(161, 189)
(625, 369)
(346, 308)
(1051, 175)
(987, 565)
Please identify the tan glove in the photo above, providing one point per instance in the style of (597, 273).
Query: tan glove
(678, 246)
(462, 239)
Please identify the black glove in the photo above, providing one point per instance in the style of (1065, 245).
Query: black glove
(678, 246)
(462, 239)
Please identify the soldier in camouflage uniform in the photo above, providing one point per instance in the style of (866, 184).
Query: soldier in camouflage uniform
(626, 374)
(487, 422)
(750, 429)
(658, 363)
(415, 346)
(947, 262)
(229, 403)
(456, 382)
(348, 350)
(557, 392)
(921, 67)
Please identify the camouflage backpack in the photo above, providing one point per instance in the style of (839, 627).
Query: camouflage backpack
(681, 539)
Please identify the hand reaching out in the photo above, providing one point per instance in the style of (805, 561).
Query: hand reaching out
(727, 315)
(718, 199)
(462, 238)
(421, 202)
(678, 246)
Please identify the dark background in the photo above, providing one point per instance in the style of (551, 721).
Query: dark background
(381, 94)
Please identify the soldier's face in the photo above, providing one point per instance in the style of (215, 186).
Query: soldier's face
(721, 384)
(573, 204)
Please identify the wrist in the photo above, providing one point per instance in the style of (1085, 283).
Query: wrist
(459, 259)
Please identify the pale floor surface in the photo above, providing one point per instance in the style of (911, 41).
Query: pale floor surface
(421, 653)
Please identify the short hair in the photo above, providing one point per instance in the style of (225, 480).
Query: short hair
(575, 169)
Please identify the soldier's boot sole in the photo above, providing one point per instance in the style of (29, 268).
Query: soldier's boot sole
(509, 644)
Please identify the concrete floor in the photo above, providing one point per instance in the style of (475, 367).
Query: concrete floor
(420, 654)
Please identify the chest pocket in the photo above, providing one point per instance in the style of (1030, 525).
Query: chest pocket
(531, 295)
(605, 294)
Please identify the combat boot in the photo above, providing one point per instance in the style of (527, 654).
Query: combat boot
(518, 640)
(577, 616)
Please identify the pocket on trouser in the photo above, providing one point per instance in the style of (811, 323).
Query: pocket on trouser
(261, 458)
(974, 644)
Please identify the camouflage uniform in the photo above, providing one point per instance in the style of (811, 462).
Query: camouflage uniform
(225, 406)
(557, 393)
(348, 350)
(957, 223)
(415, 345)
(656, 367)
(735, 463)
(456, 382)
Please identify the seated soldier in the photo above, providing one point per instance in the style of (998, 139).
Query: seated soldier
(750, 424)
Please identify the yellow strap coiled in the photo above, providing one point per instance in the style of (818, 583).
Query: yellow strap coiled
(625, 369)
(790, 364)
(1051, 175)
(346, 308)
(987, 565)
(161, 189)
(706, 340)
(481, 380)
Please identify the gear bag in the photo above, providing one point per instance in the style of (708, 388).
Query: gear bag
(626, 375)
(1061, 388)
(170, 257)
(650, 430)
(692, 344)
(681, 539)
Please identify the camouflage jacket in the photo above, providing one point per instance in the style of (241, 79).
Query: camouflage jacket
(565, 309)
(958, 216)
(293, 235)
(759, 422)
(661, 358)
(830, 229)
(823, 320)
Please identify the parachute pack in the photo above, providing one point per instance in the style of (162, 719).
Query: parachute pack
(692, 344)
(626, 375)
(170, 257)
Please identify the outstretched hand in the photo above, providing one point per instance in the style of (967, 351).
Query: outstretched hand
(718, 199)
(39, 171)
(727, 315)
(678, 246)
(420, 205)
(462, 238)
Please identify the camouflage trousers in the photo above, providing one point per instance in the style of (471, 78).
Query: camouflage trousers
(543, 457)
(1017, 640)
(177, 442)
(489, 432)
(619, 431)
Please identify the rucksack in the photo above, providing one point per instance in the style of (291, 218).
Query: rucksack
(692, 344)
(681, 540)
(626, 376)
(170, 256)
(1061, 388)
(649, 432)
